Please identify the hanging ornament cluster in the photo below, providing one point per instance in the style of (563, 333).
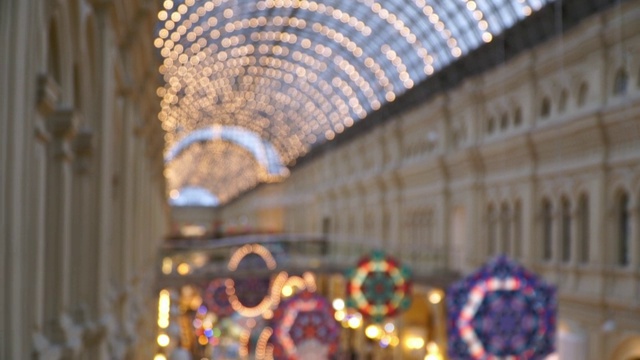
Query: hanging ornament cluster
(379, 287)
(501, 311)
(304, 328)
(205, 324)
(216, 298)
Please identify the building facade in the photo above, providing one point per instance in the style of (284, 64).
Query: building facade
(81, 188)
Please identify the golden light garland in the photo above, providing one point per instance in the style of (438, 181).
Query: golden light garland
(257, 249)
(272, 298)
(261, 345)
(298, 72)
(245, 336)
(245, 311)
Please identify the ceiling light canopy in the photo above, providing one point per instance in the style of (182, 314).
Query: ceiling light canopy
(291, 74)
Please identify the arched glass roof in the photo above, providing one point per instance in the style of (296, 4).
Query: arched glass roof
(296, 73)
(192, 196)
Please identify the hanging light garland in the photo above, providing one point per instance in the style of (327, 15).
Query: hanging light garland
(299, 73)
(252, 297)
(216, 298)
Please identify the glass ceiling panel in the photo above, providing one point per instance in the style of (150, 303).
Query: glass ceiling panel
(297, 73)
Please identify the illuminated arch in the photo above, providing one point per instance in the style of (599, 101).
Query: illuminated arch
(223, 168)
(263, 151)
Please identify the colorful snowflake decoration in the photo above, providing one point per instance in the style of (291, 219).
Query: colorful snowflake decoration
(216, 299)
(303, 323)
(501, 311)
(379, 287)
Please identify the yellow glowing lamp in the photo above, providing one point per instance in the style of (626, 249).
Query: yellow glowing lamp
(184, 268)
(338, 304)
(163, 340)
(414, 343)
(372, 331)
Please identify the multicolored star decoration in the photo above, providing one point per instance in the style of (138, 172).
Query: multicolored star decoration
(304, 328)
(501, 311)
(379, 287)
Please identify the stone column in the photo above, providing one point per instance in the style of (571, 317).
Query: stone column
(138, 208)
(127, 186)
(38, 230)
(476, 227)
(16, 141)
(99, 255)
(378, 230)
(394, 201)
(492, 230)
(62, 126)
(81, 224)
(513, 240)
(515, 230)
(48, 94)
(634, 237)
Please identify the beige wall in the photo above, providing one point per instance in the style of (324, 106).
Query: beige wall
(421, 185)
(82, 203)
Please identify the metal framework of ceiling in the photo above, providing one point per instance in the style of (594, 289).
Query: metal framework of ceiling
(296, 73)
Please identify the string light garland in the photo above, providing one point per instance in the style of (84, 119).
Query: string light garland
(297, 73)
(262, 343)
(253, 297)
(216, 299)
(257, 249)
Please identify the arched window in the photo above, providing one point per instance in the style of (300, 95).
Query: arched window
(77, 87)
(492, 237)
(505, 229)
(564, 98)
(326, 225)
(623, 228)
(583, 92)
(386, 227)
(517, 117)
(547, 230)
(504, 121)
(566, 230)
(429, 230)
(583, 227)
(545, 107)
(491, 125)
(620, 82)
